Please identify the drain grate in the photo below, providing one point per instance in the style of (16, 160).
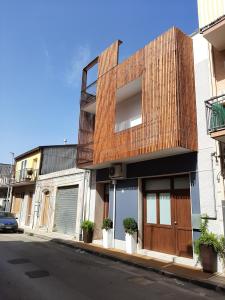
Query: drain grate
(18, 261)
(37, 274)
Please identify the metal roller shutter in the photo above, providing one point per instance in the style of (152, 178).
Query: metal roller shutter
(66, 210)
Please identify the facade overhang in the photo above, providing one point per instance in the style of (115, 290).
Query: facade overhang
(20, 184)
(214, 33)
(219, 135)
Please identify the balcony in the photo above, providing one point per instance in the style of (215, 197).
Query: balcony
(25, 176)
(88, 98)
(215, 117)
(215, 33)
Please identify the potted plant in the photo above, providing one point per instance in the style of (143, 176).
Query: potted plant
(208, 246)
(131, 228)
(88, 228)
(107, 233)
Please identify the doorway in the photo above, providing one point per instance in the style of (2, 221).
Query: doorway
(167, 216)
(45, 209)
(29, 208)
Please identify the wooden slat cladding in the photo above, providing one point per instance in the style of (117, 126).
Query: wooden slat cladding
(186, 92)
(168, 99)
(130, 69)
(108, 59)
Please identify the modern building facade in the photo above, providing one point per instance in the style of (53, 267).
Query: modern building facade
(50, 192)
(153, 128)
(138, 130)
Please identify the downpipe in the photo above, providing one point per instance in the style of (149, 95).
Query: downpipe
(214, 217)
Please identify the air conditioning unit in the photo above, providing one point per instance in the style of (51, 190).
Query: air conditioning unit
(117, 171)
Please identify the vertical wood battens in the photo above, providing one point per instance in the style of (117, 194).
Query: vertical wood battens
(168, 99)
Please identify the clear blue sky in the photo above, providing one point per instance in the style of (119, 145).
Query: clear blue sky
(45, 43)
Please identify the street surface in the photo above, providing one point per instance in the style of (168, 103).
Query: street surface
(34, 269)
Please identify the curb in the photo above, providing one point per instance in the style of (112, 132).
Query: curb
(74, 245)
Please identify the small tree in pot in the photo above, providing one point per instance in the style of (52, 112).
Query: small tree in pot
(88, 228)
(107, 232)
(131, 228)
(208, 246)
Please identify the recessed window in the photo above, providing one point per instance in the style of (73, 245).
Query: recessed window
(181, 183)
(164, 208)
(128, 106)
(151, 208)
(157, 184)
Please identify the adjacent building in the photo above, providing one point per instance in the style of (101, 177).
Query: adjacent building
(5, 175)
(49, 191)
(138, 130)
(209, 55)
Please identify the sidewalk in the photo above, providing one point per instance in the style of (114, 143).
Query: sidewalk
(212, 281)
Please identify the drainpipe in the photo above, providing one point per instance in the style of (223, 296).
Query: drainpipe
(82, 217)
(114, 210)
(89, 200)
(214, 190)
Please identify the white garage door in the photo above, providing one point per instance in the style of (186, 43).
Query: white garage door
(66, 210)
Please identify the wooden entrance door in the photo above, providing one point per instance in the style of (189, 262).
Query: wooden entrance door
(45, 211)
(183, 223)
(29, 207)
(17, 204)
(167, 218)
(106, 201)
(159, 229)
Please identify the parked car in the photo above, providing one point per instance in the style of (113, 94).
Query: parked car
(8, 222)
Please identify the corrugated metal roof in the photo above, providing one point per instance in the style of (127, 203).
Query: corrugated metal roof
(41, 147)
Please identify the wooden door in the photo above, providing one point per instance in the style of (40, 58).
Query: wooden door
(45, 209)
(106, 201)
(159, 229)
(183, 223)
(167, 219)
(17, 200)
(29, 207)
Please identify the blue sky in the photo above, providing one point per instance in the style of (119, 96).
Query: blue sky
(44, 44)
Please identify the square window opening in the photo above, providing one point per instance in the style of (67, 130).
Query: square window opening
(129, 106)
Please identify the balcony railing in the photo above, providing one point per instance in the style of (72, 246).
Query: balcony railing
(88, 95)
(4, 180)
(215, 113)
(26, 175)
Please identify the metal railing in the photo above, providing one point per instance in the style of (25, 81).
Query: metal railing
(25, 175)
(215, 113)
(4, 180)
(88, 95)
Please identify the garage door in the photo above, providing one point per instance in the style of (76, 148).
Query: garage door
(66, 210)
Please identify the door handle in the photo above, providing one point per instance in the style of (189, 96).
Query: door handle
(175, 222)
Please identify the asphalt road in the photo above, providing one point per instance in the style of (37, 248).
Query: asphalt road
(32, 268)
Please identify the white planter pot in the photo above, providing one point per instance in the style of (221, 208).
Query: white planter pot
(131, 243)
(107, 238)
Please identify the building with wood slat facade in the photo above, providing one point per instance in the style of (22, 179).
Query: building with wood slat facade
(138, 130)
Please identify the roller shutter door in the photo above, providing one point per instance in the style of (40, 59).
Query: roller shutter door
(66, 210)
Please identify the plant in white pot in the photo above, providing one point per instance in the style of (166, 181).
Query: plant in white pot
(131, 228)
(107, 233)
(208, 247)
